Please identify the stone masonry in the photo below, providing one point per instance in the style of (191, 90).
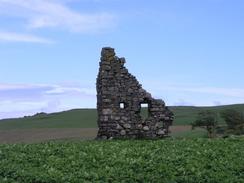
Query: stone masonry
(119, 99)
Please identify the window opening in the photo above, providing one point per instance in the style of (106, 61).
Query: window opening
(144, 111)
(122, 105)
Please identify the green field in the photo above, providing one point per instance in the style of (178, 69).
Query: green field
(183, 158)
(87, 118)
(167, 161)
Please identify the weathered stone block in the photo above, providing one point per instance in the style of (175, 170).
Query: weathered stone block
(127, 126)
(146, 128)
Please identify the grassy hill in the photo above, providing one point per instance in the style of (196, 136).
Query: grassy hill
(186, 114)
(76, 118)
(87, 118)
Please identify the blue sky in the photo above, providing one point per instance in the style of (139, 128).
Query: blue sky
(186, 52)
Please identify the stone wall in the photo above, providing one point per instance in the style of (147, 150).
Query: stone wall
(119, 99)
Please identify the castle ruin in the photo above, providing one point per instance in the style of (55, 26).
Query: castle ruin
(119, 103)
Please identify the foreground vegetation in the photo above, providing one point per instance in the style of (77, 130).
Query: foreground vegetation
(191, 161)
(86, 118)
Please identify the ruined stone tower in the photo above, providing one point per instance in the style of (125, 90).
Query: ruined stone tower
(119, 99)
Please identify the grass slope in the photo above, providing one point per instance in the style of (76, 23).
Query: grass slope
(87, 118)
(77, 118)
(186, 114)
(169, 161)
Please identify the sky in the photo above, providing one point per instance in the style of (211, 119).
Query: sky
(186, 52)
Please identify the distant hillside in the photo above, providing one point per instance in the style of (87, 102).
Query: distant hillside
(87, 118)
(76, 118)
(187, 114)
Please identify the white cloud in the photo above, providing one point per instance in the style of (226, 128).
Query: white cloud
(25, 99)
(17, 100)
(157, 86)
(48, 89)
(17, 37)
(195, 94)
(62, 90)
(51, 13)
(8, 86)
(13, 108)
(231, 92)
(9, 105)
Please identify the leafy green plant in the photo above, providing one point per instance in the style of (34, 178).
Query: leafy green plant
(183, 161)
